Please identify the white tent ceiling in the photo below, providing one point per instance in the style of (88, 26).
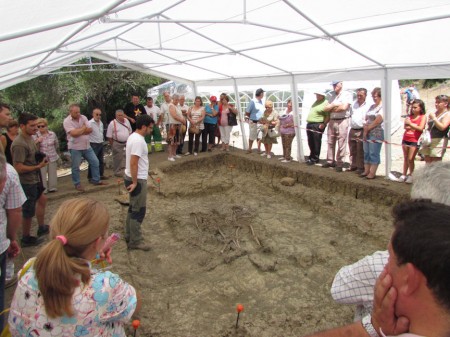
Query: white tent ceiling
(204, 42)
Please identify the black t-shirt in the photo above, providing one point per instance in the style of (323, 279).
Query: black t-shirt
(133, 111)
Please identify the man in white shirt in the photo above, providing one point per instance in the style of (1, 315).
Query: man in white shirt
(96, 140)
(153, 111)
(117, 133)
(339, 109)
(135, 179)
(358, 112)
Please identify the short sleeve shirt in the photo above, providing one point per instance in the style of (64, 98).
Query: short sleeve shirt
(96, 136)
(255, 109)
(137, 146)
(11, 197)
(102, 308)
(342, 98)
(80, 142)
(119, 131)
(24, 150)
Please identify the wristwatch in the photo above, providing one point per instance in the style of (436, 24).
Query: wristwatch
(367, 325)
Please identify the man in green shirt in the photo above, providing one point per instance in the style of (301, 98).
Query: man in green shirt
(316, 122)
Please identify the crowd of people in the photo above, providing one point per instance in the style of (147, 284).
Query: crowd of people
(360, 127)
(86, 301)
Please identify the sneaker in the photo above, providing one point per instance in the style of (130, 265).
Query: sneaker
(195, 154)
(29, 241)
(177, 156)
(269, 156)
(187, 154)
(262, 154)
(285, 161)
(79, 188)
(328, 165)
(281, 158)
(338, 169)
(43, 230)
(53, 190)
(171, 159)
(45, 191)
(402, 179)
(140, 246)
(310, 162)
(409, 180)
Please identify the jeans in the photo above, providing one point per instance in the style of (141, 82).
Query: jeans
(98, 150)
(90, 156)
(2, 287)
(372, 151)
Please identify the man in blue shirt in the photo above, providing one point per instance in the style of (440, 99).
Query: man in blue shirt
(253, 113)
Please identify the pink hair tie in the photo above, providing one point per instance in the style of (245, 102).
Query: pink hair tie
(62, 238)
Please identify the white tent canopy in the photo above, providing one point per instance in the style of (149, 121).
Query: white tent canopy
(200, 42)
(238, 42)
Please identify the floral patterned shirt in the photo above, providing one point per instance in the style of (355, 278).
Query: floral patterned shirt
(101, 308)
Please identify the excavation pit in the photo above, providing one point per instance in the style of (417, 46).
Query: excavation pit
(224, 230)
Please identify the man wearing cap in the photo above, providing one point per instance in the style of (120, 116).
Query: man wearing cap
(358, 115)
(316, 123)
(339, 109)
(253, 113)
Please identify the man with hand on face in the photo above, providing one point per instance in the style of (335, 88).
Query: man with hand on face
(135, 179)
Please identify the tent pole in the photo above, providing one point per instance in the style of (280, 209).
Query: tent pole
(297, 120)
(386, 89)
(241, 120)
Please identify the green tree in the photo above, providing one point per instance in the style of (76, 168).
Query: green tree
(106, 86)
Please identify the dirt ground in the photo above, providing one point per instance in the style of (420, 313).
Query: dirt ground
(224, 231)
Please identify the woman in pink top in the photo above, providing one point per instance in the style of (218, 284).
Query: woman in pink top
(414, 125)
(225, 128)
(47, 142)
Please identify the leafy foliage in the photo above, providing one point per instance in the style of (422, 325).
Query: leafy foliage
(105, 86)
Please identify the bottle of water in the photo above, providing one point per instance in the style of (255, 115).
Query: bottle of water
(9, 269)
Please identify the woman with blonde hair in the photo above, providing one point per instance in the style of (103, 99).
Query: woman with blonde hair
(270, 121)
(47, 142)
(60, 294)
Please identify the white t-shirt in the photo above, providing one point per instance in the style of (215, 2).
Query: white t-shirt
(154, 112)
(137, 146)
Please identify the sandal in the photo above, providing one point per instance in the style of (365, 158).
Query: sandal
(369, 177)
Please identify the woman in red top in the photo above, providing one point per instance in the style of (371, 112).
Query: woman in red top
(414, 125)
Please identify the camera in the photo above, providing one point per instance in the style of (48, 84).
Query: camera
(39, 156)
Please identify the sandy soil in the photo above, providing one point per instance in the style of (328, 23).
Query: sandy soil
(224, 231)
